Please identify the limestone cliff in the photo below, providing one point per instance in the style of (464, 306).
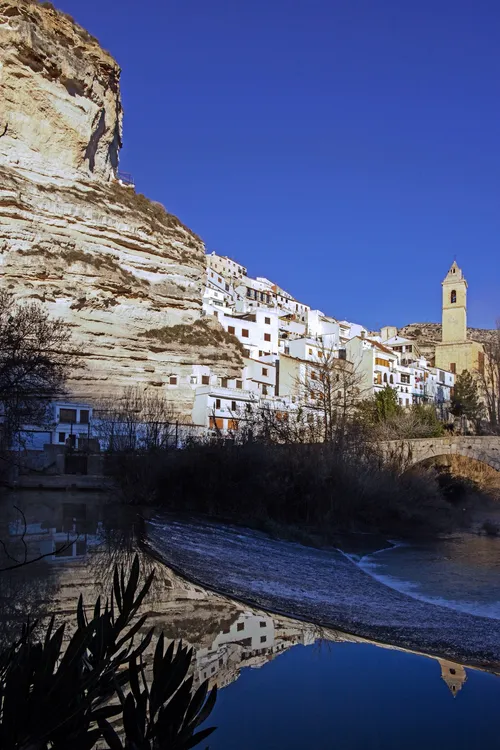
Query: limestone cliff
(110, 262)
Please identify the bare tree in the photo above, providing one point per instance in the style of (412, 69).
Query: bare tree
(330, 388)
(489, 378)
(140, 419)
(37, 354)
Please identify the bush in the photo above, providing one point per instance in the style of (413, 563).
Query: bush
(309, 486)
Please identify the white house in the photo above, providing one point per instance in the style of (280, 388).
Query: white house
(375, 363)
(225, 266)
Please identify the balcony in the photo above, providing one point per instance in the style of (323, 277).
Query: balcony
(218, 391)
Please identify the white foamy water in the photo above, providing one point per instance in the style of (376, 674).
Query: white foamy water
(461, 574)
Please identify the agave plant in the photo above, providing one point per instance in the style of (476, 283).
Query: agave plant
(55, 698)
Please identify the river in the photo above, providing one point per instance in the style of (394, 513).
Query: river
(287, 682)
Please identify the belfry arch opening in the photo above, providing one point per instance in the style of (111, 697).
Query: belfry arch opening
(453, 297)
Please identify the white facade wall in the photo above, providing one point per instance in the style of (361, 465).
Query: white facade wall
(259, 376)
(306, 348)
(259, 335)
(226, 405)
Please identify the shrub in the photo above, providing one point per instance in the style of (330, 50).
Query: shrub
(310, 486)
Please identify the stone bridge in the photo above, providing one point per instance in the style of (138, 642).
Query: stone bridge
(485, 449)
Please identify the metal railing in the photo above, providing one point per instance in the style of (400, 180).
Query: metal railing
(125, 177)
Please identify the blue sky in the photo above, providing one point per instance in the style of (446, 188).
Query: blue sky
(347, 149)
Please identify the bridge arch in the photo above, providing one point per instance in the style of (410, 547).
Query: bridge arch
(411, 452)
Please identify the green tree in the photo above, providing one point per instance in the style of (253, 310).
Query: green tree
(386, 404)
(466, 401)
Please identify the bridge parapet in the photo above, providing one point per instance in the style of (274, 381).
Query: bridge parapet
(485, 449)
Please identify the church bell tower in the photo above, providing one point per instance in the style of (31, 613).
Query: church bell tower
(454, 306)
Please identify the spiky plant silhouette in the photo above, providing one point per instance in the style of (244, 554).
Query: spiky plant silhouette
(56, 698)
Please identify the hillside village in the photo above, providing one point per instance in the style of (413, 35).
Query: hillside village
(287, 350)
(286, 344)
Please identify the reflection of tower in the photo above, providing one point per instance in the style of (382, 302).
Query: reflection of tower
(453, 674)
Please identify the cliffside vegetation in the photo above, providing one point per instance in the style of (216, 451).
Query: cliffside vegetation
(201, 333)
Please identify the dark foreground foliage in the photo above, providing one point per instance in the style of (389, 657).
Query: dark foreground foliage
(312, 487)
(61, 698)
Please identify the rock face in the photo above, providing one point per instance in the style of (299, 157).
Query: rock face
(110, 262)
(429, 334)
(60, 95)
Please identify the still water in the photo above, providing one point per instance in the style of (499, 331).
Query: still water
(283, 683)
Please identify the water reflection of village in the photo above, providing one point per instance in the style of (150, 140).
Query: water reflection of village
(79, 540)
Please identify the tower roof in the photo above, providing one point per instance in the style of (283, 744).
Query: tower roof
(454, 274)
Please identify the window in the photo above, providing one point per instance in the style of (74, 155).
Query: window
(453, 297)
(67, 415)
(320, 355)
(223, 382)
(246, 352)
(381, 362)
(385, 377)
(193, 379)
(264, 389)
(239, 384)
(342, 354)
(205, 379)
(240, 626)
(216, 422)
(310, 352)
(267, 321)
(262, 624)
(244, 333)
(313, 375)
(62, 437)
(234, 405)
(232, 424)
(173, 380)
(391, 379)
(441, 376)
(219, 279)
(231, 329)
(405, 378)
(84, 416)
(264, 372)
(217, 403)
(263, 638)
(267, 337)
(453, 367)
